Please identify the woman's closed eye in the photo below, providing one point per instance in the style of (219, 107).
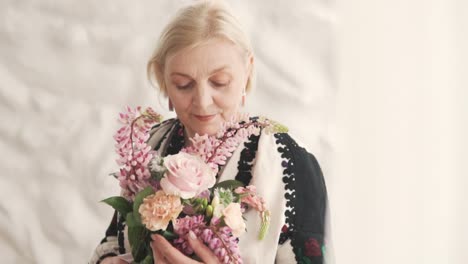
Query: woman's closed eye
(219, 84)
(185, 86)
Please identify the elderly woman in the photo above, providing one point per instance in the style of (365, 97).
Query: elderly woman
(204, 64)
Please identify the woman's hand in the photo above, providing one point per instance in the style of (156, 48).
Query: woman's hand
(113, 260)
(165, 253)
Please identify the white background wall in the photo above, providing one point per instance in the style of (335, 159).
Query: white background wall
(375, 88)
(68, 67)
(399, 183)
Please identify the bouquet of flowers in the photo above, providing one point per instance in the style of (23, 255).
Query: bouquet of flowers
(178, 193)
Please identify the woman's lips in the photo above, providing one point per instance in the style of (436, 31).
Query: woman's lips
(205, 118)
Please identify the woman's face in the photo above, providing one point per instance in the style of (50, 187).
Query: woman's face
(205, 84)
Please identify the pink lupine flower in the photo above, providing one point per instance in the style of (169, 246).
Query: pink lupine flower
(134, 153)
(215, 150)
(223, 244)
(182, 226)
(220, 240)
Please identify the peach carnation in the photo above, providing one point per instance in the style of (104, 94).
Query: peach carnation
(158, 209)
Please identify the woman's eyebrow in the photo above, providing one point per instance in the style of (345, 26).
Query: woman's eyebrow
(183, 74)
(219, 69)
(211, 73)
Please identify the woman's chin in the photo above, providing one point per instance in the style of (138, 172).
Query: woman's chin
(207, 129)
(211, 130)
(210, 127)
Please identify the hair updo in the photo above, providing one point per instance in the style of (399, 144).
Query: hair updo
(191, 26)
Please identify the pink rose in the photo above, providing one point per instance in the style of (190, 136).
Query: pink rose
(187, 175)
(233, 218)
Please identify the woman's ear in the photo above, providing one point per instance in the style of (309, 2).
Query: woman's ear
(249, 68)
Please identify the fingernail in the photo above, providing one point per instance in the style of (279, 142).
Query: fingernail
(192, 235)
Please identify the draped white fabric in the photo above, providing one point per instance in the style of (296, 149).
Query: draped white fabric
(68, 67)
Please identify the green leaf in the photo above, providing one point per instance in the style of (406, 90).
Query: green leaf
(229, 184)
(299, 252)
(137, 236)
(114, 174)
(120, 204)
(139, 200)
(169, 235)
(157, 175)
(131, 220)
(306, 260)
(148, 260)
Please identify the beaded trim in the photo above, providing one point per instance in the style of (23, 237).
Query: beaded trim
(285, 143)
(247, 159)
(307, 247)
(120, 232)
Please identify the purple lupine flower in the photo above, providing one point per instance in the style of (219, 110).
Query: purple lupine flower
(215, 150)
(223, 244)
(182, 226)
(219, 239)
(134, 153)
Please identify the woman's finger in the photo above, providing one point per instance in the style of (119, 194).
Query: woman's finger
(113, 260)
(170, 253)
(202, 251)
(157, 255)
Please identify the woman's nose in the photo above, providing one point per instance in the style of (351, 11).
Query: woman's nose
(203, 97)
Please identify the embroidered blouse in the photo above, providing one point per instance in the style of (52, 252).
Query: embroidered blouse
(287, 176)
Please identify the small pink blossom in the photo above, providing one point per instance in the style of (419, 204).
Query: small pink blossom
(233, 218)
(250, 197)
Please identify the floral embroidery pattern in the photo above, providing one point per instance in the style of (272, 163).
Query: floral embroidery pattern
(312, 248)
(284, 235)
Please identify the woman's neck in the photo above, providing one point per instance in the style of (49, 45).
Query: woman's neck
(187, 141)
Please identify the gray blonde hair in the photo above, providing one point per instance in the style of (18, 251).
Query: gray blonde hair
(191, 26)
